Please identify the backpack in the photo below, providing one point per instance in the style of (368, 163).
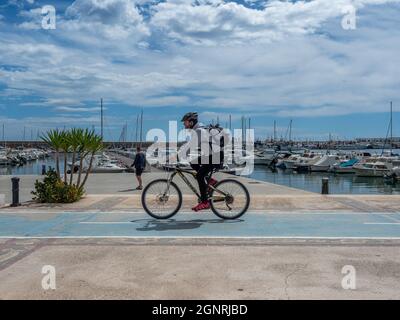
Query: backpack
(217, 139)
(216, 135)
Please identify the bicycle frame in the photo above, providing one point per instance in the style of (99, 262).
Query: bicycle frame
(180, 172)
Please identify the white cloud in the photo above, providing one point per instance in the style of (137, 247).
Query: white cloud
(114, 19)
(77, 110)
(216, 22)
(267, 61)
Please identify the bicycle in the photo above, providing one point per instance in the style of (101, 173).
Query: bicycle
(162, 198)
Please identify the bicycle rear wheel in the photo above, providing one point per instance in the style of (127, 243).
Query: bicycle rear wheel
(161, 199)
(230, 199)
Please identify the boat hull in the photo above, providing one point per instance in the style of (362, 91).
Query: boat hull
(320, 168)
(344, 170)
(363, 172)
(302, 168)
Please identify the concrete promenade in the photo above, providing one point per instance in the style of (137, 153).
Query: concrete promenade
(124, 184)
(291, 244)
(116, 192)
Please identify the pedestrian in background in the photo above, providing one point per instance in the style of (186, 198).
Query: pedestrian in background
(140, 164)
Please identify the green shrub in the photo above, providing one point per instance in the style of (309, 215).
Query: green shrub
(54, 190)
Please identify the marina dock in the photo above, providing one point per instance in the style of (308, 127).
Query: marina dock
(116, 192)
(287, 233)
(124, 184)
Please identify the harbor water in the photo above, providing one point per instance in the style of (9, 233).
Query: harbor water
(338, 184)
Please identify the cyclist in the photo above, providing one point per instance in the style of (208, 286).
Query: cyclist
(207, 158)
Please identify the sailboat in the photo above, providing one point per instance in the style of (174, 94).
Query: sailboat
(385, 163)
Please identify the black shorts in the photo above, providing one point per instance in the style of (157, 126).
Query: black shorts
(138, 171)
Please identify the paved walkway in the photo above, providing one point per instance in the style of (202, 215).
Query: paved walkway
(127, 255)
(137, 269)
(125, 184)
(325, 225)
(290, 245)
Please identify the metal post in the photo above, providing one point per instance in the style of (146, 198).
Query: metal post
(15, 192)
(325, 185)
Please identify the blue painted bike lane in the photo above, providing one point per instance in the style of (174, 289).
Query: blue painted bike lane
(258, 225)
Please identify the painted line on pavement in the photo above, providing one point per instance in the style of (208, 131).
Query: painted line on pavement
(391, 223)
(105, 222)
(255, 211)
(199, 237)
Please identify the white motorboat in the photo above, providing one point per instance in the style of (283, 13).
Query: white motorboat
(161, 156)
(324, 164)
(290, 162)
(106, 168)
(238, 156)
(394, 174)
(344, 166)
(264, 157)
(304, 163)
(373, 169)
(4, 160)
(101, 164)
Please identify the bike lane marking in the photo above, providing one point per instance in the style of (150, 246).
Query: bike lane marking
(192, 225)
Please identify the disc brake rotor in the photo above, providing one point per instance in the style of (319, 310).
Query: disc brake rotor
(162, 198)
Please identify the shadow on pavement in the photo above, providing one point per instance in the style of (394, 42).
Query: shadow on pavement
(172, 224)
(128, 190)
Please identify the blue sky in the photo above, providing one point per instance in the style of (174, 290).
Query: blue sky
(268, 60)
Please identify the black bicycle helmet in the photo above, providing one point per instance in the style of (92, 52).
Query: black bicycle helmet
(191, 116)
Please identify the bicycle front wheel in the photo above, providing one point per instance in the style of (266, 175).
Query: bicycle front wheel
(161, 199)
(230, 199)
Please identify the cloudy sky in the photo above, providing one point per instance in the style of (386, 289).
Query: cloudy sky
(268, 60)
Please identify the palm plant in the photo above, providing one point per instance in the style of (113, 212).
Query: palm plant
(94, 145)
(82, 143)
(54, 138)
(65, 147)
(74, 138)
(84, 150)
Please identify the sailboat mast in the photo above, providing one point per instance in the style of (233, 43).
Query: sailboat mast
(4, 139)
(141, 128)
(137, 128)
(391, 127)
(101, 114)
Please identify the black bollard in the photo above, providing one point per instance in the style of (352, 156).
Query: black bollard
(325, 186)
(43, 169)
(15, 192)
